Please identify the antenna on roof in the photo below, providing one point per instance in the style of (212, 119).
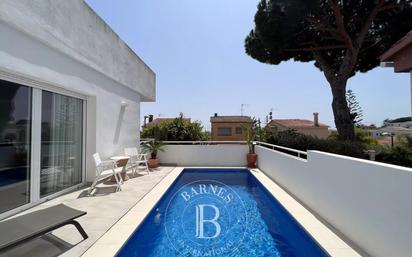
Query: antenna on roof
(271, 113)
(242, 108)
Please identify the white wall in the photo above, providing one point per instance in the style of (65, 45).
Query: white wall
(28, 61)
(74, 29)
(205, 155)
(369, 202)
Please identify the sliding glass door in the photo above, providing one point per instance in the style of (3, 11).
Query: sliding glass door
(61, 142)
(41, 145)
(15, 143)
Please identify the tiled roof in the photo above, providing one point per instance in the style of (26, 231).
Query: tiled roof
(294, 123)
(231, 119)
(160, 120)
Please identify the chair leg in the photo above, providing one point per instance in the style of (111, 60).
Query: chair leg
(93, 186)
(80, 229)
(147, 168)
(119, 188)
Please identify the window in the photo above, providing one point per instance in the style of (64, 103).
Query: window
(238, 130)
(15, 143)
(61, 142)
(41, 144)
(224, 131)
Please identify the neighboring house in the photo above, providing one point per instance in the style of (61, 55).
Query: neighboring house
(404, 124)
(158, 121)
(69, 87)
(390, 130)
(306, 127)
(229, 128)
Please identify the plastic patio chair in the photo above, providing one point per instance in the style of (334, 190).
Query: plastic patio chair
(105, 169)
(136, 159)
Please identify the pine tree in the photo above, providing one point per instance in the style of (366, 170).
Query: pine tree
(341, 38)
(356, 113)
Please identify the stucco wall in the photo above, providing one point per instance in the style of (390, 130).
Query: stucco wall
(233, 126)
(109, 129)
(366, 201)
(205, 155)
(73, 28)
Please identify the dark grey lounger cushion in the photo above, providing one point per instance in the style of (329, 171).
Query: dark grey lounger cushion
(36, 223)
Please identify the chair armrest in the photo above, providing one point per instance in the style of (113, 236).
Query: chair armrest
(107, 163)
(142, 156)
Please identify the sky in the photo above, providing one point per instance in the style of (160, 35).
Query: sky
(196, 49)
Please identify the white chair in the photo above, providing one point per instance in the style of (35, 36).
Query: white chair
(136, 160)
(105, 169)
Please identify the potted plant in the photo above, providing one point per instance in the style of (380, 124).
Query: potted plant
(153, 147)
(251, 157)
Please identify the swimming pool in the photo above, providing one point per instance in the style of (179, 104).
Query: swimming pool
(219, 212)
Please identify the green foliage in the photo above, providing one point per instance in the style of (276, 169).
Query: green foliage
(356, 111)
(361, 136)
(340, 37)
(292, 139)
(299, 29)
(255, 133)
(176, 130)
(400, 154)
(153, 147)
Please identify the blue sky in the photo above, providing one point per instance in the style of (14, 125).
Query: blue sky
(196, 49)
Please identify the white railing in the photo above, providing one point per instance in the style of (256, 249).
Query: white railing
(298, 153)
(287, 150)
(204, 142)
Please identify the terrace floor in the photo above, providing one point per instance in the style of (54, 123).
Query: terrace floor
(103, 209)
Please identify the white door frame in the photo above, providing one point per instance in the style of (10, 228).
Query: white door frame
(35, 149)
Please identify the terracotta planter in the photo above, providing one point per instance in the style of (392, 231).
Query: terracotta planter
(153, 163)
(251, 160)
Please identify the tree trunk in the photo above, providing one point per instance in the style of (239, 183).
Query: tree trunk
(343, 121)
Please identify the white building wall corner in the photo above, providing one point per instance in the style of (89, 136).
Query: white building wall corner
(367, 202)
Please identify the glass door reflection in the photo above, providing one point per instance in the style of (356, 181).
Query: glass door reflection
(61, 142)
(15, 143)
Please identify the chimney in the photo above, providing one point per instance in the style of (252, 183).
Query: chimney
(150, 118)
(316, 119)
(215, 114)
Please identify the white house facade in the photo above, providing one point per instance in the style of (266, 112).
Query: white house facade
(69, 87)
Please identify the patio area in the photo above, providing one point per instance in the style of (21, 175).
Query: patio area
(103, 209)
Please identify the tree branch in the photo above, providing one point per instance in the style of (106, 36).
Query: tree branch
(340, 24)
(315, 48)
(324, 66)
(368, 23)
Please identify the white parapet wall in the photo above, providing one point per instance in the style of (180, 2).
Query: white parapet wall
(204, 155)
(368, 202)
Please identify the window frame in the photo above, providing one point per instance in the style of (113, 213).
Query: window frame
(37, 87)
(224, 134)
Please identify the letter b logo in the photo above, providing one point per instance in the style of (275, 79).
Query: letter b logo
(200, 221)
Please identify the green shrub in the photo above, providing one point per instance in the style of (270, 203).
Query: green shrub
(400, 154)
(176, 130)
(302, 142)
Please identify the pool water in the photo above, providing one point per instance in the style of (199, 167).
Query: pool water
(220, 213)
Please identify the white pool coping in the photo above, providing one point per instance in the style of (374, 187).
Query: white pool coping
(324, 236)
(111, 242)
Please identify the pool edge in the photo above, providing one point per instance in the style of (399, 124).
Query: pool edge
(114, 239)
(329, 241)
